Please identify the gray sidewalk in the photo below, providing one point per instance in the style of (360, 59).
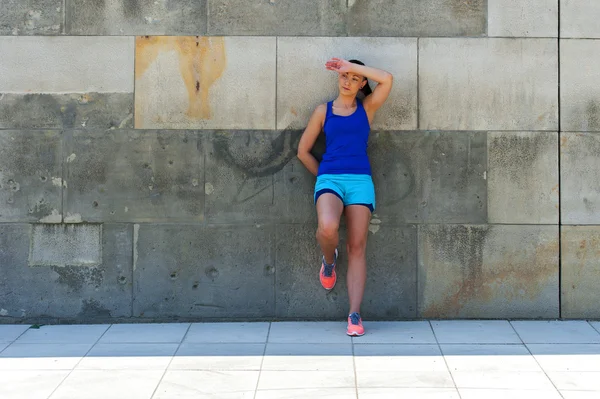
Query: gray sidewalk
(416, 359)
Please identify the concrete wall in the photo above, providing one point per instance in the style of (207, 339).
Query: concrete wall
(148, 170)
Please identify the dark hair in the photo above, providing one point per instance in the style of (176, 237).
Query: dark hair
(367, 89)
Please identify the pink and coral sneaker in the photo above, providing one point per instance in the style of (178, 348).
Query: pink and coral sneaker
(355, 326)
(327, 274)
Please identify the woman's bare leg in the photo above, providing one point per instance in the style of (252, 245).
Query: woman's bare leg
(357, 218)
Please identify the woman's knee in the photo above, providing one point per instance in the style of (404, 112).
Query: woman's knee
(328, 229)
(357, 247)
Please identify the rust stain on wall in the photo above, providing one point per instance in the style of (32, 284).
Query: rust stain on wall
(511, 278)
(202, 61)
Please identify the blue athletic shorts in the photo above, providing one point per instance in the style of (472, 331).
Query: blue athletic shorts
(351, 189)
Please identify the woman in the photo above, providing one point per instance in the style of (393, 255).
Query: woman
(344, 183)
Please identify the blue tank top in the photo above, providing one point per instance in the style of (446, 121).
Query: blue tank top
(346, 141)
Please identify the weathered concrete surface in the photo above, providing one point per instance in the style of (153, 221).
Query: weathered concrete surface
(580, 180)
(391, 283)
(134, 176)
(204, 271)
(417, 18)
(32, 17)
(277, 18)
(71, 292)
(488, 84)
(430, 177)
(66, 64)
(294, 193)
(523, 18)
(245, 180)
(30, 176)
(137, 17)
(189, 82)
(303, 82)
(255, 177)
(580, 85)
(523, 177)
(579, 18)
(488, 271)
(580, 271)
(66, 245)
(56, 111)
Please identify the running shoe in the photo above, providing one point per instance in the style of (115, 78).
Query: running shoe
(355, 326)
(327, 274)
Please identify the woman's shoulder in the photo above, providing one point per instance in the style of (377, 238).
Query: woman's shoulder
(321, 109)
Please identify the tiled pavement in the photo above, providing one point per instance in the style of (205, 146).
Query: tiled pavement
(413, 359)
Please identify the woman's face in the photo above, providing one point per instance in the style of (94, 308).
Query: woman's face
(350, 83)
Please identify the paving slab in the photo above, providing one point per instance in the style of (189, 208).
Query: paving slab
(474, 332)
(567, 357)
(63, 334)
(489, 358)
(9, 333)
(222, 384)
(227, 333)
(129, 356)
(556, 332)
(20, 356)
(116, 384)
(159, 333)
(308, 357)
(217, 356)
(21, 384)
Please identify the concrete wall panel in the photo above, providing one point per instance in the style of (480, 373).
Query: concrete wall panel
(580, 85)
(133, 176)
(66, 111)
(66, 64)
(188, 82)
(523, 177)
(277, 18)
(391, 283)
(493, 271)
(488, 84)
(580, 271)
(427, 177)
(83, 293)
(66, 245)
(523, 18)
(579, 18)
(139, 17)
(31, 180)
(417, 18)
(32, 17)
(580, 181)
(204, 271)
(303, 82)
